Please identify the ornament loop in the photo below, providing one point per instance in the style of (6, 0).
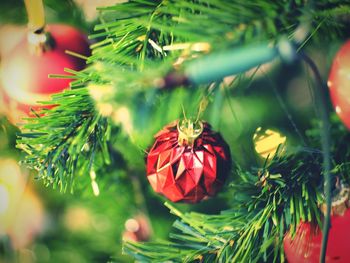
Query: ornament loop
(189, 131)
(40, 42)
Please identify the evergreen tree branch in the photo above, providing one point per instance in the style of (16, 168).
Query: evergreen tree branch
(67, 141)
(139, 42)
(152, 35)
(267, 203)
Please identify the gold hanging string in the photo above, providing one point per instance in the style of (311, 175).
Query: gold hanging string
(36, 15)
(203, 104)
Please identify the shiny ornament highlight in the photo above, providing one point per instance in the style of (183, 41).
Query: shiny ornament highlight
(339, 83)
(190, 168)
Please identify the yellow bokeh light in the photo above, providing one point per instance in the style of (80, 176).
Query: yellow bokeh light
(266, 142)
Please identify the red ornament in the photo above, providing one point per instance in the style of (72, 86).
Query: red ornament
(188, 162)
(307, 242)
(25, 73)
(339, 84)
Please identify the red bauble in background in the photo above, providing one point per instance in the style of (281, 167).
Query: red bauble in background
(25, 73)
(188, 166)
(339, 83)
(306, 245)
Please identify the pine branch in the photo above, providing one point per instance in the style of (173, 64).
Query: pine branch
(129, 27)
(67, 141)
(154, 36)
(144, 36)
(267, 203)
(141, 41)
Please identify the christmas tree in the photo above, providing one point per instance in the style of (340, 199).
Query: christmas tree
(230, 119)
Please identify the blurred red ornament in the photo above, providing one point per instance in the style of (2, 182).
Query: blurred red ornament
(305, 247)
(137, 229)
(188, 162)
(25, 71)
(339, 84)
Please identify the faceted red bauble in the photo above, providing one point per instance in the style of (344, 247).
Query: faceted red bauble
(306, 245)
(339, 83)
(188, 173)
(25, 73)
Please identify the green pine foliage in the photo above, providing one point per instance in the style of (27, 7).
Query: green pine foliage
(131, 39)
(266, 203)
(66, 146)
(253, 230)
(134, 51)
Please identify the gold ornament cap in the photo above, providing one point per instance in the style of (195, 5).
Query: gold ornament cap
(39, 40)
(189, 131)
